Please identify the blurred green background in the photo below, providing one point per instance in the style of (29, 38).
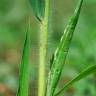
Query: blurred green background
(13, 24)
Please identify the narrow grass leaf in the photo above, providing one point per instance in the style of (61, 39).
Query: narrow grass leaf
(82, 75)
(38, 7)
(61, 52)
(24, 70)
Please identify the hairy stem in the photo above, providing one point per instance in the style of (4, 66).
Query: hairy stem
(43, 50)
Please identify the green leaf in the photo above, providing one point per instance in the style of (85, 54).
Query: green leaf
(82, 75)
(24, 70)
(61, 52)
(38, 7)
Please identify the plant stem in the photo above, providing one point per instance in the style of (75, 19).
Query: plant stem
(43, 50)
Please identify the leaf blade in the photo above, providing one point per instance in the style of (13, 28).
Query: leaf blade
(24, 70)
(38, 7)
(61, 52)
(82, 75)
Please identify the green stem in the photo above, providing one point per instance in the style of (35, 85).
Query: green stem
(43, 50)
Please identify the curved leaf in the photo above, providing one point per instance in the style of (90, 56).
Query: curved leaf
(61, 52)
(82, 75)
